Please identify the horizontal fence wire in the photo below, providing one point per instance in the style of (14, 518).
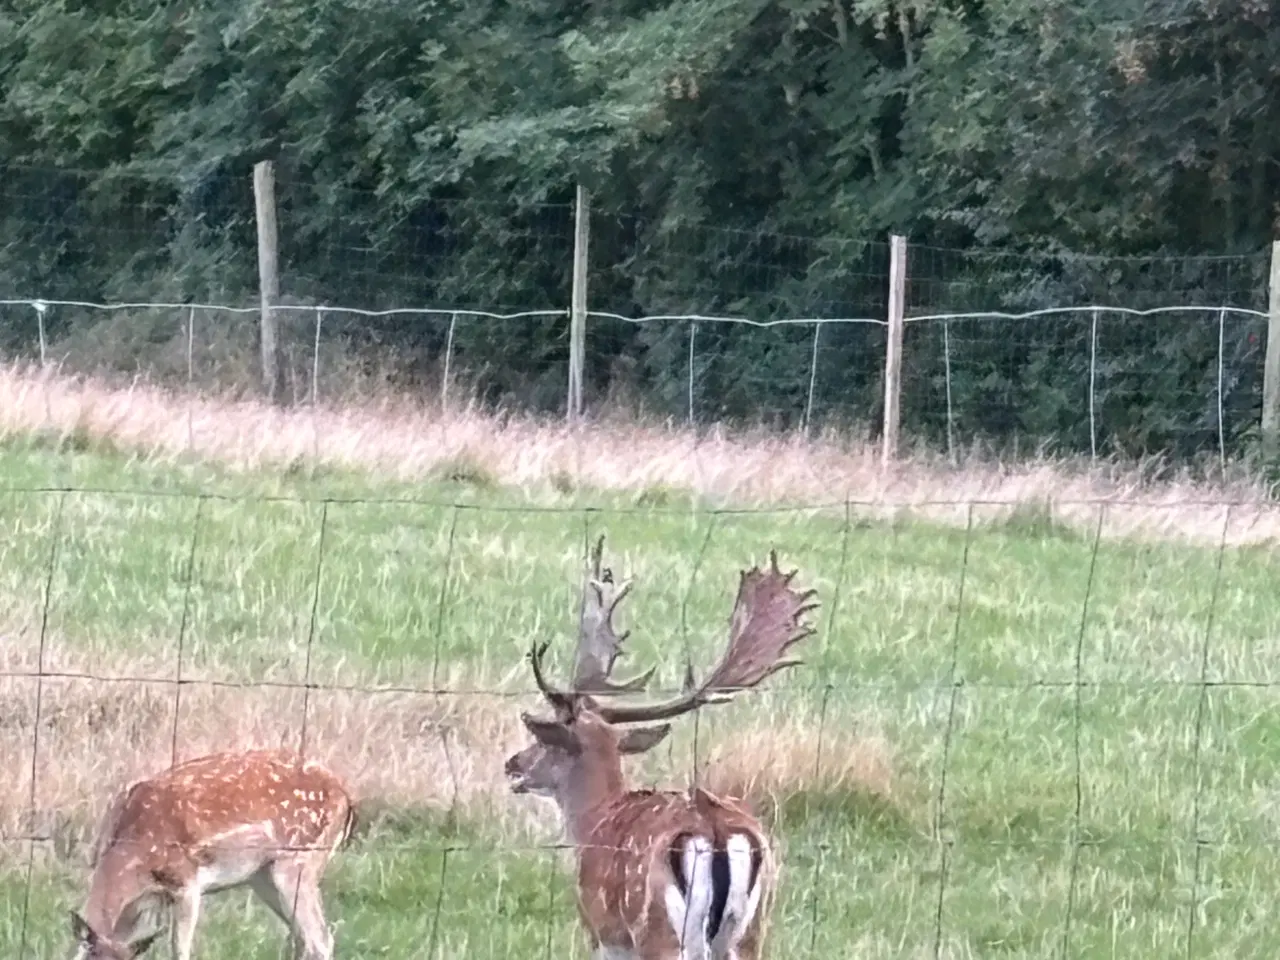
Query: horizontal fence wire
(1153, 502)
(1042, 663)
(816, 691)
(1098, 380)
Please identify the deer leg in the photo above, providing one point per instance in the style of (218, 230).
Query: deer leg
(291, 890)
(748, 948)
(186, 912)
(261, 884)
(315, 931)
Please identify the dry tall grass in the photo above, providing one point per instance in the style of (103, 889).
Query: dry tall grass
(95, 735)
(430, 752)
(398, 440)
(770, 763)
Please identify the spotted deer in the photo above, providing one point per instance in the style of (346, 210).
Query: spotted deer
(265, 818)
(661, 874)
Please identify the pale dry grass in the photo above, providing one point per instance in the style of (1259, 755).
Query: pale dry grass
(787, 757)
(397, 440)
(95, 735)
(426, 752)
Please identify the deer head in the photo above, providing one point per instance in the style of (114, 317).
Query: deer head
(92, 945)
(577, 751)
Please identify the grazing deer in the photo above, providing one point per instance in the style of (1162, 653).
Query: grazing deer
(266, 818)
(662, 875)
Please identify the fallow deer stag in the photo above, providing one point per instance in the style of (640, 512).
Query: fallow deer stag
(662, 875)
(266, 818)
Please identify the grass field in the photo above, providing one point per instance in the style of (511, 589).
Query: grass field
(1008, 739)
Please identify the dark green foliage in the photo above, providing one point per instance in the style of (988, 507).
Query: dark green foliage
(745, 159)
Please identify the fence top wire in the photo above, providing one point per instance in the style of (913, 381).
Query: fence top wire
(703, 318)
(1171, 840)
(41, 305)
(817, 687)
(1153, 503)
(1067, 256)
(1085, 309)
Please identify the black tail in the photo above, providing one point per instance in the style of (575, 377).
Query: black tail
(675, 859)
(720, 891)
(349, 828)
(719, 880)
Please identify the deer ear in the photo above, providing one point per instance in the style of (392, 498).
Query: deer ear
(640, 739)
(80, 929)
(551, 733)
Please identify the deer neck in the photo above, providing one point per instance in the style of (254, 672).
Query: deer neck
(119, 880)
(593, 783)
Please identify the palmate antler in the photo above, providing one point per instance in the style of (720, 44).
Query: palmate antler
(767, 620)
(599, 643)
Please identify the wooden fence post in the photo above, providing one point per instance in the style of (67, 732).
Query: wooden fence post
(264, 201)
(1271, 366)
(893, 347)
(578, 304)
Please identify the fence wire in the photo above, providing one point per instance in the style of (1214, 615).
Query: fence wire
(1003, 734)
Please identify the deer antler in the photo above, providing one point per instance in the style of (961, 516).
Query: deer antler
(599, 644)
(557, 698)
(767, 620)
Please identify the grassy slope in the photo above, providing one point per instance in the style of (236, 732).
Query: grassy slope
(881, 756)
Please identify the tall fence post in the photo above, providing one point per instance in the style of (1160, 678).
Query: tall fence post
(578, 305)
(1271, 367)
(264, 202)
(893, 346)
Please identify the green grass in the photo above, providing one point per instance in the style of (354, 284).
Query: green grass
(989, 846)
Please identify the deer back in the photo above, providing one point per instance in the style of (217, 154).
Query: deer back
(174, 822)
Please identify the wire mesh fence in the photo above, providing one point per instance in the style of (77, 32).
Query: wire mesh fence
(467, 301)
(1007, 734)
(719, 325)
(1125, 357)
